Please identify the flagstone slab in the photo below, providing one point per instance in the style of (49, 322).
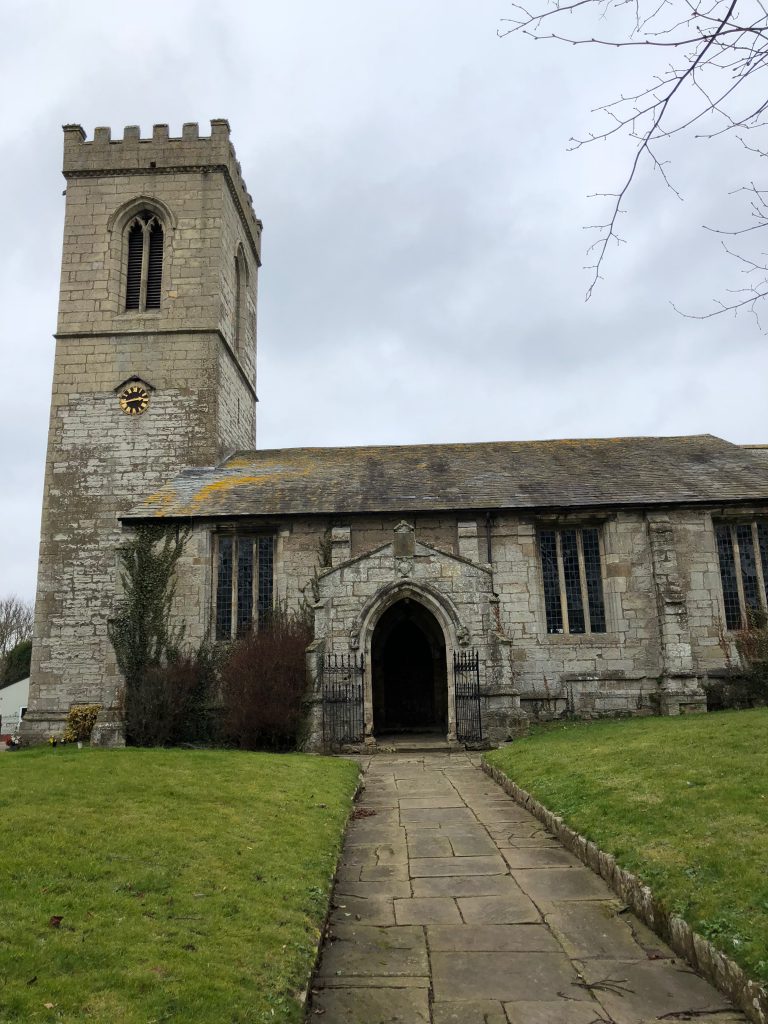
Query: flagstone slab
(422, 867)
(364, 950)
(378, 835)
(634, 993)
(462, 828)
(437, 815)
(432, 784)
(374, 853)
(484, 1011)
(395, 872)
(577, 883)
(427, 910)
(385, 887)
(348, 872)
(512, 908)
(540, 857)
(539, 840)
(492, 938)
(381, 818)
(503, 976)
(365, 909)
(437, 800)
(429, 843)
(472, 845)
(562, 1011)
(587, 929)
(465, 885)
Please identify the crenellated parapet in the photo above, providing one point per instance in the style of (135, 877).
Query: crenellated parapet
(161, 154)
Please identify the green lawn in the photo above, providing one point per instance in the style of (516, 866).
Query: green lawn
(683, 802)
(191, 885)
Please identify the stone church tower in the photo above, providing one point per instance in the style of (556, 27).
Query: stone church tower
(155, 370)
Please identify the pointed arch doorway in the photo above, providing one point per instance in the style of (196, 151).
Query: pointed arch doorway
(409, 671)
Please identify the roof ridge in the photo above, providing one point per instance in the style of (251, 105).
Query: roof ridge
(244, 452)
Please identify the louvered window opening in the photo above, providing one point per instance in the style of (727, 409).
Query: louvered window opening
(244, 584)
(742, 552)
(573, 580)
(241, 291)
(144, 275)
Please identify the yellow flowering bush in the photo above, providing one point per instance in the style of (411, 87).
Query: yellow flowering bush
(80, 722)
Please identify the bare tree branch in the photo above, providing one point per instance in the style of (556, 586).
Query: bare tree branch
(16, 619)
(713, 78)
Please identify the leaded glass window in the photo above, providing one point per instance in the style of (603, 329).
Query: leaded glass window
(244, 583)
(742, 551)
(224, 590)
(573, 580)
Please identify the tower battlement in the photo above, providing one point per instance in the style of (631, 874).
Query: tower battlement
(160, 154)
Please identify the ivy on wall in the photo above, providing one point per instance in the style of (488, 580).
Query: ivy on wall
(141, 631)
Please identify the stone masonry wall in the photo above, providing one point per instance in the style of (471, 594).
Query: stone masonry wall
(100, 461)
(617, 672)
(597, 673)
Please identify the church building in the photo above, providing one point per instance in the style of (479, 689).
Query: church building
(460, 590)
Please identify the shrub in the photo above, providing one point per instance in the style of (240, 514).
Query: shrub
(744, 686)
(263, 680)
(80, 722)
(173, 703)
(752, 645)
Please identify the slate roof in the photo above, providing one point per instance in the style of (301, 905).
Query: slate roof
(493, 475)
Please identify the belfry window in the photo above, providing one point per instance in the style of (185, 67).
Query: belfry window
(573, 580)
(244, 583)
(144, 274)
(241, 299)
(742, 551)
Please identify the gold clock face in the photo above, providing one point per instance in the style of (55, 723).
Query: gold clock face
(134, 400)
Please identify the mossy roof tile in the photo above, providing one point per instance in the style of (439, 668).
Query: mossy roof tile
(493, 475)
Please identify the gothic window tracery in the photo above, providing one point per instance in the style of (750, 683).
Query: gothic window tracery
(244, 583)
(742, 551)
(573, 580)
(144, 262)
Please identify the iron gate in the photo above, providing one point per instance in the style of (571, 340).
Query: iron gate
(466, 681)
(342, 687)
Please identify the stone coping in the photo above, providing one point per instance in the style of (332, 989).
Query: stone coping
(749, 996)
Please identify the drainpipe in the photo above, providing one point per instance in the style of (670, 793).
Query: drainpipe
(488, 546)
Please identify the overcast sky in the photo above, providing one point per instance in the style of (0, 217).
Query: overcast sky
(423, 227)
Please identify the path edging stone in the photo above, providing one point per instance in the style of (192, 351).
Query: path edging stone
(749, 996)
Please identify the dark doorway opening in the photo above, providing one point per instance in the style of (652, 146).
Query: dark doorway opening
(410, 688)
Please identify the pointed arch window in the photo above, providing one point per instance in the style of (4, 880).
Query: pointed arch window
(241, 298)
(144, 275)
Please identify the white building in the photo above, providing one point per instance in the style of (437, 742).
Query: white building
(13, 706)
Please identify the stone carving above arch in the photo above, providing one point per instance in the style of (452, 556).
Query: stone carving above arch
(441, 606)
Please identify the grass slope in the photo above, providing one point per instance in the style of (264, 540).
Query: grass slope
(191, 884)
(683, 802)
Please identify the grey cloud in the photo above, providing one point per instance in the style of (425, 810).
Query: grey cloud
(423, 237)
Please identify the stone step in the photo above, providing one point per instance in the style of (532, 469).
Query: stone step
(413, 743)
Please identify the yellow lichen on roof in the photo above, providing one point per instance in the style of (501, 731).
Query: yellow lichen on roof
(226, 484)
(161, 500)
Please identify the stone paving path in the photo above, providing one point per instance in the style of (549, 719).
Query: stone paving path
(453, 905)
